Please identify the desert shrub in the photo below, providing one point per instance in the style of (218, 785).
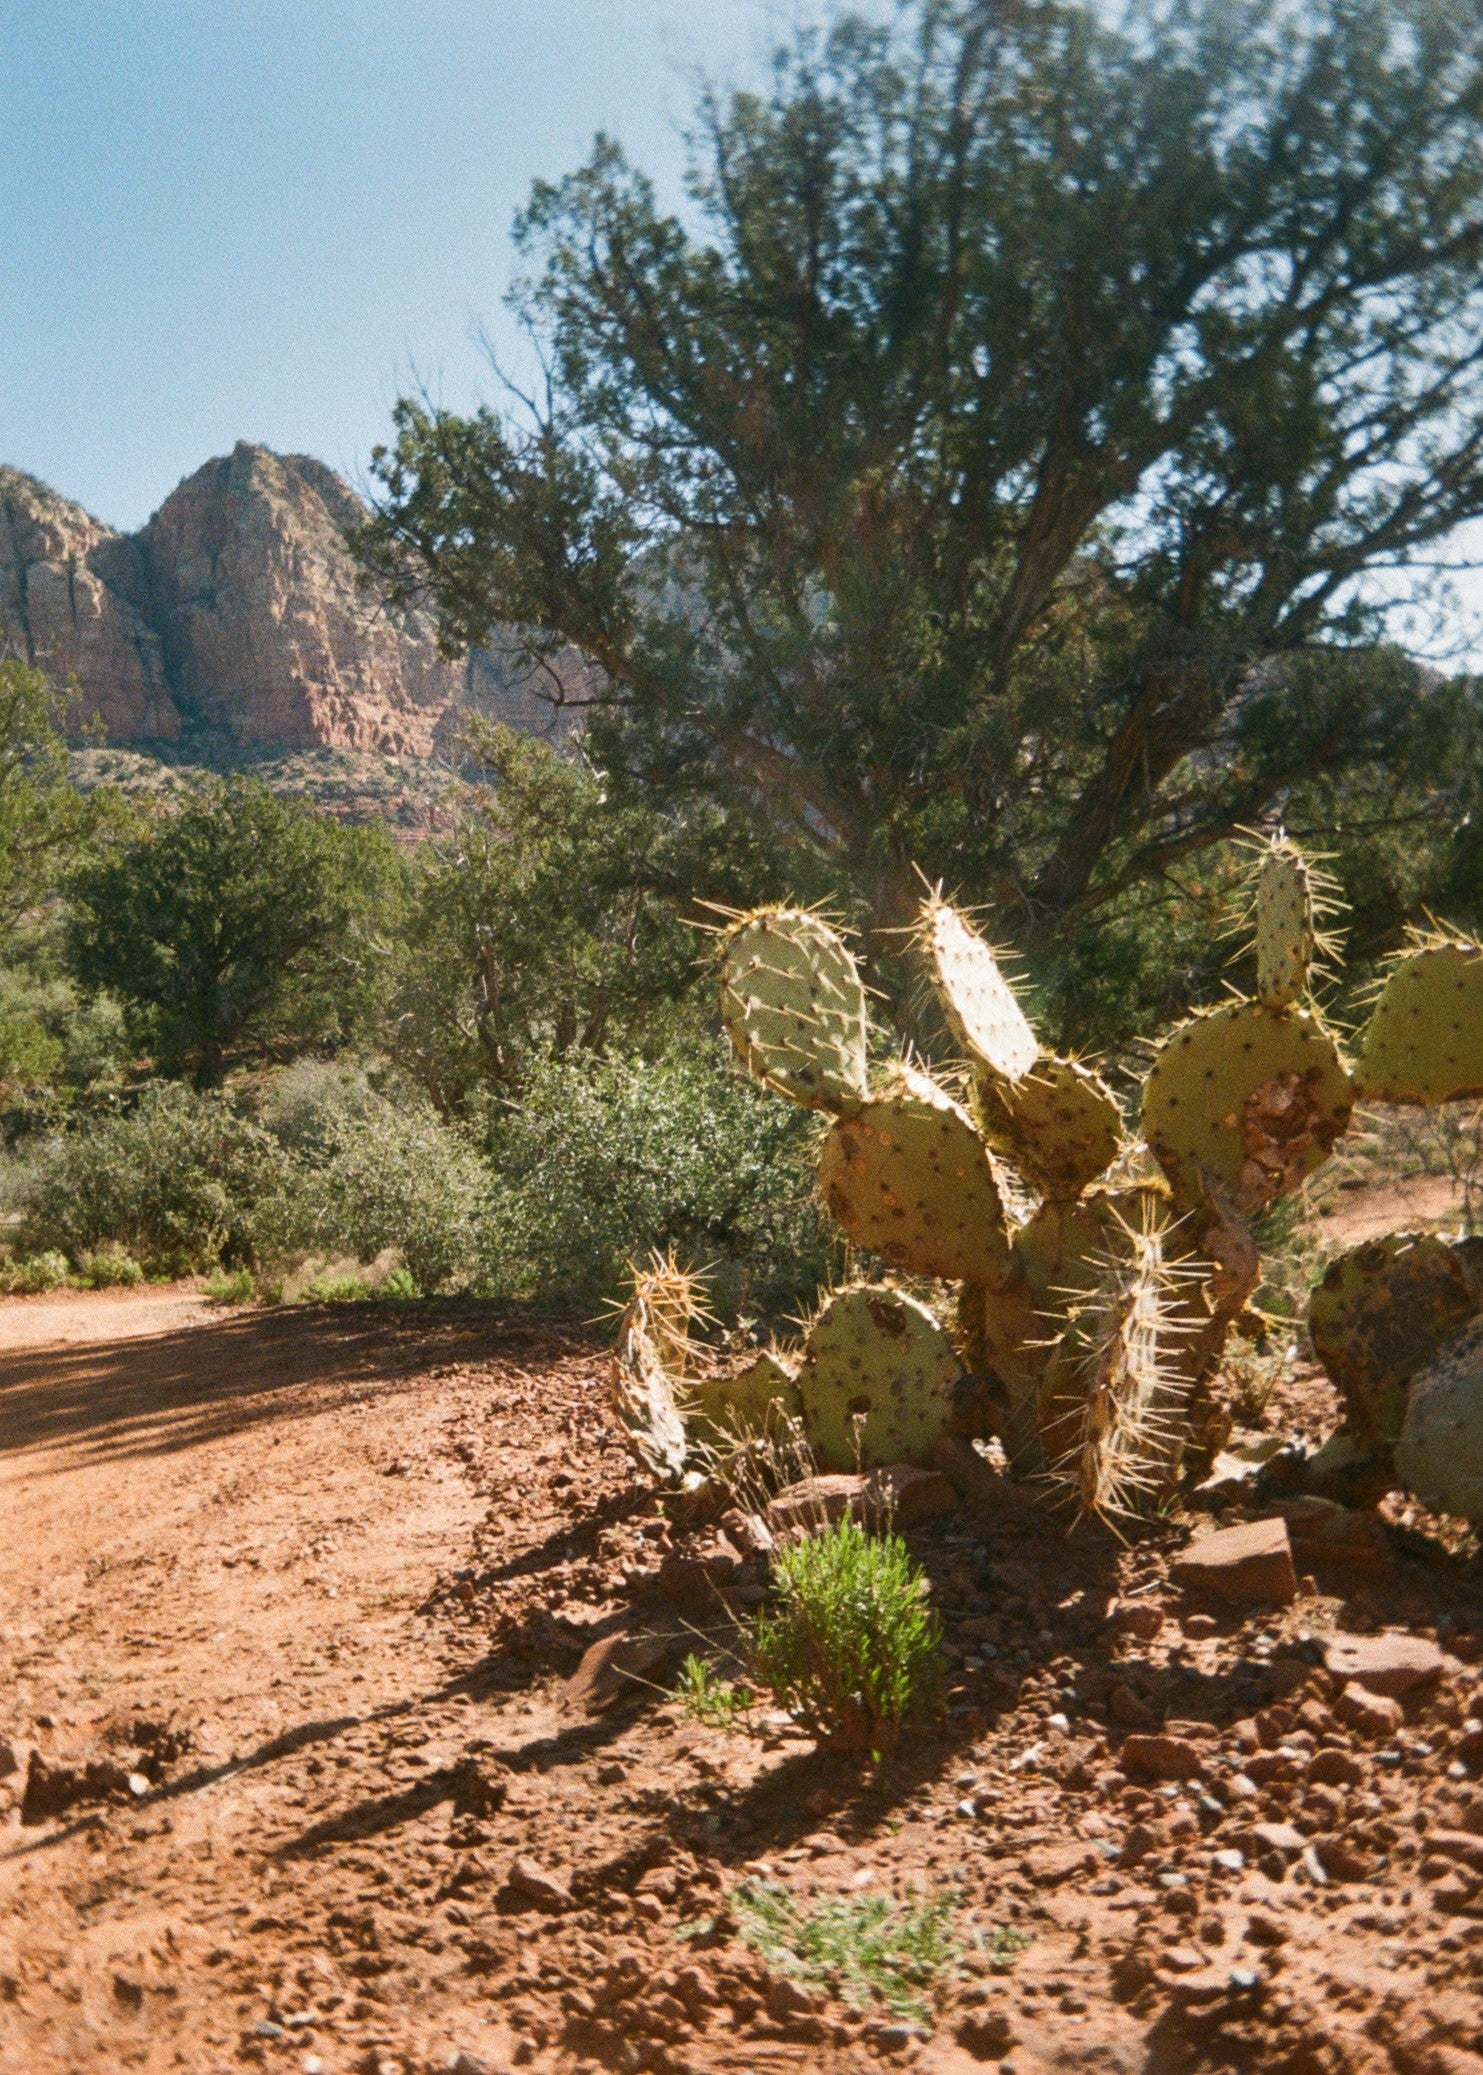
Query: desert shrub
(604, 1160)
(871, 1949)
(371, 1172)
(852, 1650)
(28, 1274)
(231, 1286)
(178, 1182)
(109, 1267)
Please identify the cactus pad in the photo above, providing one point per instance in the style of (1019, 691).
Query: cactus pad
(644, 1391)
(978, 1001)
(1424, 1042)
(1060, 1124)
(1439, 1457)
(1383, 1311)
(752, 1402)
(793, 1004)
(876, 1381)
(908, 1177)
(1256, 1096)
(1283, 908)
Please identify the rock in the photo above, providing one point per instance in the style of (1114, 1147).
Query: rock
(900, 1497)
(1385, 1664)
(749, 1532)
(987, 2034)
(1250, 1565)
(1160, 1758)
(618, 1667)
(787, 2000)
(1371, 1714)
(696, 1584)
(1278, 1837)
(468, 2064)
(1128, 1711)
(1332, 1768)
(531, 1880)
(1239, 1469)
(1334, 1538)
(976, 1481)
(1141, 1618)
(1461, 1846)
(1342, 1860)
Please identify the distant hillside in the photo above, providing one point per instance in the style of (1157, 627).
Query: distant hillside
(230, 629)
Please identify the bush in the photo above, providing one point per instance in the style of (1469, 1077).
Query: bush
(176, 1182)
(231, 1286)
(109, 1267)
(370, 1173)
(852, 1650)
(29, 1275)
(605, 1160)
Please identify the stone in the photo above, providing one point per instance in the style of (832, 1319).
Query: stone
(899, 1497)
(1371, 1714)
(1278, 1837)
(1250, 1565)
(1128, 1711)
(1342, 1860)
(1461, 1846)
(748, 1532)
(618, 1667)
(977, 1482)
(987, 2034)
(788, 1999)
(1160, 1758)
(1331, 1768)
(1335, 1539)
(1141, 1618)
(531, 1880)
(1386, 1664)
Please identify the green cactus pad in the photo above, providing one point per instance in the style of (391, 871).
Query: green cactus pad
(1283, 908)
(750, 1403)
(1424, 1042)
(876, 1381)
(909, 1177)
(1060, 1124)
(793, 1004)
(1257, 1096)
(1439, 1457)
(978, 1001)
(1383, 1311)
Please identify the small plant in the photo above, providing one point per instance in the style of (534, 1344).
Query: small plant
(399, 1287)
(870, 1950)
(231, 1286)
(853, 1649)
(109, 1267)
(718, 1703)
(1002, 1947)
(336, 1289)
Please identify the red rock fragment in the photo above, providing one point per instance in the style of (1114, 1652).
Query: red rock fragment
(1160, 1758)
(1371, 1714)
(900, 1497)
(1250, 1565)
(1385, 1664)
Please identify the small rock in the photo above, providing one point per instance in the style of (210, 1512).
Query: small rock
(1332, 1768)
(1385, 1664)
(531, 1880)
(1340, 1859)
(1128, 1711)
(788, 1999)
(617, 1667)
(748, 1531)
(468, 2064)
(1458, 1845)
(1330, 1537)
(1248, 1565)
(1279, 1837)
(987, 2034)
(1160, 1758)
(1142, 1618)
(900, 1497)
(1369, 1713)
(1229, 1860)
(977, 1482)
(1198, 1626)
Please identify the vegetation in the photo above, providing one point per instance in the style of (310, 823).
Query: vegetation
(707, 1697)
(852, 1650)
(862, 1951)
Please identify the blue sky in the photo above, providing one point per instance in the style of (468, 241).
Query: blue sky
(245, 219)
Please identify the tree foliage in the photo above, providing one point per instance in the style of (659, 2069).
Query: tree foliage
(239, 926)
(1001, 465)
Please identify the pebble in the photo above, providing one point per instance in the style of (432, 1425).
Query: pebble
(1371, 1714)
(1160, 1758)
(530, 1879)
(1229, 1860)
(1385, 1664)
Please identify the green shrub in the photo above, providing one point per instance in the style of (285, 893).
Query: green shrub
(109, 1267)
(852, 1650)
(369, 1173)
(872, 1948)
(604, 1160)
(231, 1286)
(35, 1272)
(177, 1182)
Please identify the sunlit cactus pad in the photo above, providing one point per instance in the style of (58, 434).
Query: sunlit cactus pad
(751, 1403)
(793, 1004)
(908, 1177)
(876, 1380)
(1257, 1096)
(977, 1000)
(1283, 912)
(1424, 1043)
(1383, 1311)
(1060, 1124)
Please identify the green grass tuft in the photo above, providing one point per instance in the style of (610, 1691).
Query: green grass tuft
(718, 1703)
(870, 1950)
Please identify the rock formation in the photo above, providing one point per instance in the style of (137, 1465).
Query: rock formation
(233, 619)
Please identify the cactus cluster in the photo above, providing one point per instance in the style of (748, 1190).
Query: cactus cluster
(1094, 1285)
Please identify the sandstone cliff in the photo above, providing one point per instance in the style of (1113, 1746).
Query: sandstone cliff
(232, 619)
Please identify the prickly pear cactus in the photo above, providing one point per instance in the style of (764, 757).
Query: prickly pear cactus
(978, 1001)
(793, 1004)
(908, 1176)
(1383, 1311)
(1283, 913)
(1255, 1097)
(1059, 1124)
(644, 1387)
(877, 1380)
(1439, 1456)
(1424, 1042)
(749, 1404)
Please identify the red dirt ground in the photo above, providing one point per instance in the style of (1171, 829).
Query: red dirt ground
(319, 1578)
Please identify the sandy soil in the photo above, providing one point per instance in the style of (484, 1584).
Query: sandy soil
(318, 1579)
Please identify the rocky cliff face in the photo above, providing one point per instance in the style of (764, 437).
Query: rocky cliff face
(232, 617)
